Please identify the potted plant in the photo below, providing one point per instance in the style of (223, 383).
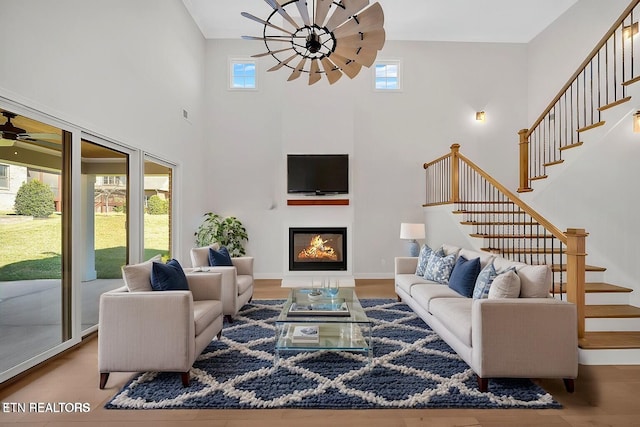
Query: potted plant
(228, 232)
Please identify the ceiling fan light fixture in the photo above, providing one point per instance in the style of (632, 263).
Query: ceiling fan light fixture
(342, 36)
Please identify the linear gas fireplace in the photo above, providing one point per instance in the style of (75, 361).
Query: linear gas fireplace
(318, 249)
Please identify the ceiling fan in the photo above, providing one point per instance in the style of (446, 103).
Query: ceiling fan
(9, 134)
(337, 37)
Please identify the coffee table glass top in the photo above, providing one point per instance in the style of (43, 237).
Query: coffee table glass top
(337, 323)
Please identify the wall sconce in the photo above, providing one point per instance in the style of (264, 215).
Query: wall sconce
(636, 122)
(629, 31)
(480, 116)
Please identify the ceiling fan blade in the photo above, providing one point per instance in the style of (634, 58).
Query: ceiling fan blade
(362, 56)
(349, 67)
(370, 19)
(371, 40)
(283, 63)
(304, 11)
(296, 73)
(322, 8)
(344, 10)
(333, 73)
(33, 137)
(276, 6)
(260, 55)
(271, 39)
(314, 72)
(262, 21)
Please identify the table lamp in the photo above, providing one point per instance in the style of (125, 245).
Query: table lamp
(412, 232)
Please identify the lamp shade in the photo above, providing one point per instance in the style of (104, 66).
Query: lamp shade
(411, 231)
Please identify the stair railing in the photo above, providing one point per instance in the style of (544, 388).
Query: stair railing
(508, 226)
(598, 84)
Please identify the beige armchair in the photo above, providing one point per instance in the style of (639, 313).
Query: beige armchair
(163, 331)
(237, 281)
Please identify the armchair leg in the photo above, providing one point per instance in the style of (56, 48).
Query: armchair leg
(398, 298)
(483, 384)
(104, 376)
(569, 384)
(185, 379)
(219, 335)
(228, 318)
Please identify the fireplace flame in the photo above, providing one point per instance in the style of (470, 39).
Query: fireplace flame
(318, 249)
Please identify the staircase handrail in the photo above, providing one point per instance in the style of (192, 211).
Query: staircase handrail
(584, 64)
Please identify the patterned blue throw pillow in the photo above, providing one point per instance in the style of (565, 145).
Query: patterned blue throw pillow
(485, 278)
(439, 268)
(423, 259)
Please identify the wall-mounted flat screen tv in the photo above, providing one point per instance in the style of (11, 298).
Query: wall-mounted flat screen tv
(318, 174)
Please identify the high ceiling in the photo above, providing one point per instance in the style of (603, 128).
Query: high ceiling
(502, 21)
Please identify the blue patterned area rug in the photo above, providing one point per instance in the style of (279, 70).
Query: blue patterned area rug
(412, 368)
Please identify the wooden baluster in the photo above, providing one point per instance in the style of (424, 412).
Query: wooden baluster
(524, 161)
(455, 177)
(576, 254)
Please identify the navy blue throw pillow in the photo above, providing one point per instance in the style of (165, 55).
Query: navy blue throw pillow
(168, 277)
(464, 275)
(220, 258)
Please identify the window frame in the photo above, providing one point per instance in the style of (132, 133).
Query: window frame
(6, 176)
(386, 62)
(246, 61)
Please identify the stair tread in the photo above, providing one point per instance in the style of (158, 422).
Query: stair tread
(518, 212)
(556, 268)
(498, 223)
(523, 250)
(512, 236)
(611, 311)
(610, 340)
(570, 146)
(597, 287)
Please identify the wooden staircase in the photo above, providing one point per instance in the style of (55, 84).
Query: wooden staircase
(596, 291)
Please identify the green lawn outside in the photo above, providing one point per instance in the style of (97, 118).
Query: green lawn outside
(32, 249)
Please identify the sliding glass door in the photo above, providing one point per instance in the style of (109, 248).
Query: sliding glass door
(35, 282)
(158, 181)
(105, 235)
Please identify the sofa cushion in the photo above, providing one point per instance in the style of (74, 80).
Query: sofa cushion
(535, 281)
(423, 258)
(424, 293)
(205, 312)
(168, 277)
(455, 314)
(464, 275)
(450, 249)
(485, 257)
(505, 285)
(137, 277)
(407, 281)
(502, 264)
(439, 268)
(220, 257)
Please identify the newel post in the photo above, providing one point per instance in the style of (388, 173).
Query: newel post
(524, 162)
(576, 254)
(455, 173)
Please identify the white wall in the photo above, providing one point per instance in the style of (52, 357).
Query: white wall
(122, 69)
(388, 136)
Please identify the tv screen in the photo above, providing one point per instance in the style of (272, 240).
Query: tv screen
(318, 173)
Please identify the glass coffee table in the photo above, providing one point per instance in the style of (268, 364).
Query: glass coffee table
(311, 320)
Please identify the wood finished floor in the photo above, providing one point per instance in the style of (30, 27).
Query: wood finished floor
(605, 396)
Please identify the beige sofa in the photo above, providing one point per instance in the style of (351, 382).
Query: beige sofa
(531, 336)
(237, 281)
(161, 331)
